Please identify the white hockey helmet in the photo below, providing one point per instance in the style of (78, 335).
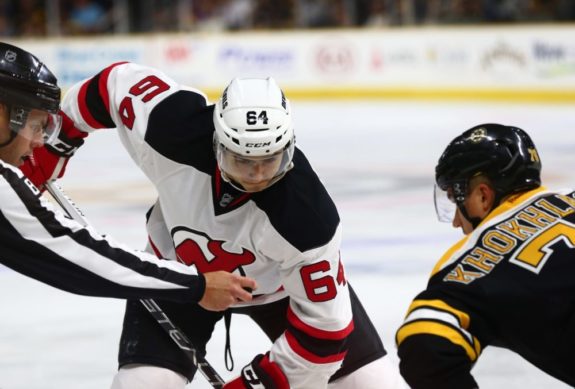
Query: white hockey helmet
(252, 121)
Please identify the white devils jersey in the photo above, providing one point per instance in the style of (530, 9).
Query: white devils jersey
(287, 237)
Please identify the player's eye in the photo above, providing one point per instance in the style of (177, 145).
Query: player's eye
(36, 129)
(242, 161)
(271, 160)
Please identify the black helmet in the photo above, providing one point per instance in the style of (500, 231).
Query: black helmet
(26, 82)
(505, 154)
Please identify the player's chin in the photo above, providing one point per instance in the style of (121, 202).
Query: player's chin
(255, 187)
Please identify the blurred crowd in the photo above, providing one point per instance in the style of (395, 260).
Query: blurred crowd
(82, 17)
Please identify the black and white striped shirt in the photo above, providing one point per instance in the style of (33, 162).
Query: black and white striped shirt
(39, 241)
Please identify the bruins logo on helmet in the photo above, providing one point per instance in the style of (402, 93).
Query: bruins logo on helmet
(478, 135)
(10, 56)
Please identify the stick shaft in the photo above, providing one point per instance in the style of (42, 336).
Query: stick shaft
(151, 306)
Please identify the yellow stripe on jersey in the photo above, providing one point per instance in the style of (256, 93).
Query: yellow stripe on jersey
(511, 202)
(462, 317)
(442, 330)
(448, 255)
(435, 317)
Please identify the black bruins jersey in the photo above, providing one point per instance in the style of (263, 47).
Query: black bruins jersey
(510, 283)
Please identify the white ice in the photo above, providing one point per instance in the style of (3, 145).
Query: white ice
(376, 158)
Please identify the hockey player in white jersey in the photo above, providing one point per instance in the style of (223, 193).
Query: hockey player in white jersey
(38, 241)
(235, 194)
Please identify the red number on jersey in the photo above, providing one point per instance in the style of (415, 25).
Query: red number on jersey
(340, 274)
(318, 289)
(126, 111)
(151, 84)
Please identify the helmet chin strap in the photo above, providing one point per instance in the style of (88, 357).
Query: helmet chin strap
(476, 220)
(473, 220)
(234, 184)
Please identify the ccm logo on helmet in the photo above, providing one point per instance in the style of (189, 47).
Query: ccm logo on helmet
(259, 144)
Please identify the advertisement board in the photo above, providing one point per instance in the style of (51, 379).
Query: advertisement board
(518, 63)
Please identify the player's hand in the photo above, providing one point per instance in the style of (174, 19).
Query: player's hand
(260, 373)
(223, 289)
(48, 163)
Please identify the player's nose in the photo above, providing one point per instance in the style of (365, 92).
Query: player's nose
(456, 222)
(257, 171)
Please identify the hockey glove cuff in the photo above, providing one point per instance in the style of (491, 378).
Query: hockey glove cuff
(260, 373)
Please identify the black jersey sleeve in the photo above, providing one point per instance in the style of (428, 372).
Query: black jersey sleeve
(436, 344)
(430, 361)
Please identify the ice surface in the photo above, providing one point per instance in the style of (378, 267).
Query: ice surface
(376, 159)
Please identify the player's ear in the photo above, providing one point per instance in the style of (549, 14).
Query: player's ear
(4, 124)
(4, 116)
(487, 196)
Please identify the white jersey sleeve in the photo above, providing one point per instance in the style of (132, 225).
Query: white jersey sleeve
(319, 315)
(123, 96)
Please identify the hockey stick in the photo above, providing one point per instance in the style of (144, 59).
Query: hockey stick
(174, 332)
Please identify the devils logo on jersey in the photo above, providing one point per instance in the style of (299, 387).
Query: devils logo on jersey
(206, 254)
